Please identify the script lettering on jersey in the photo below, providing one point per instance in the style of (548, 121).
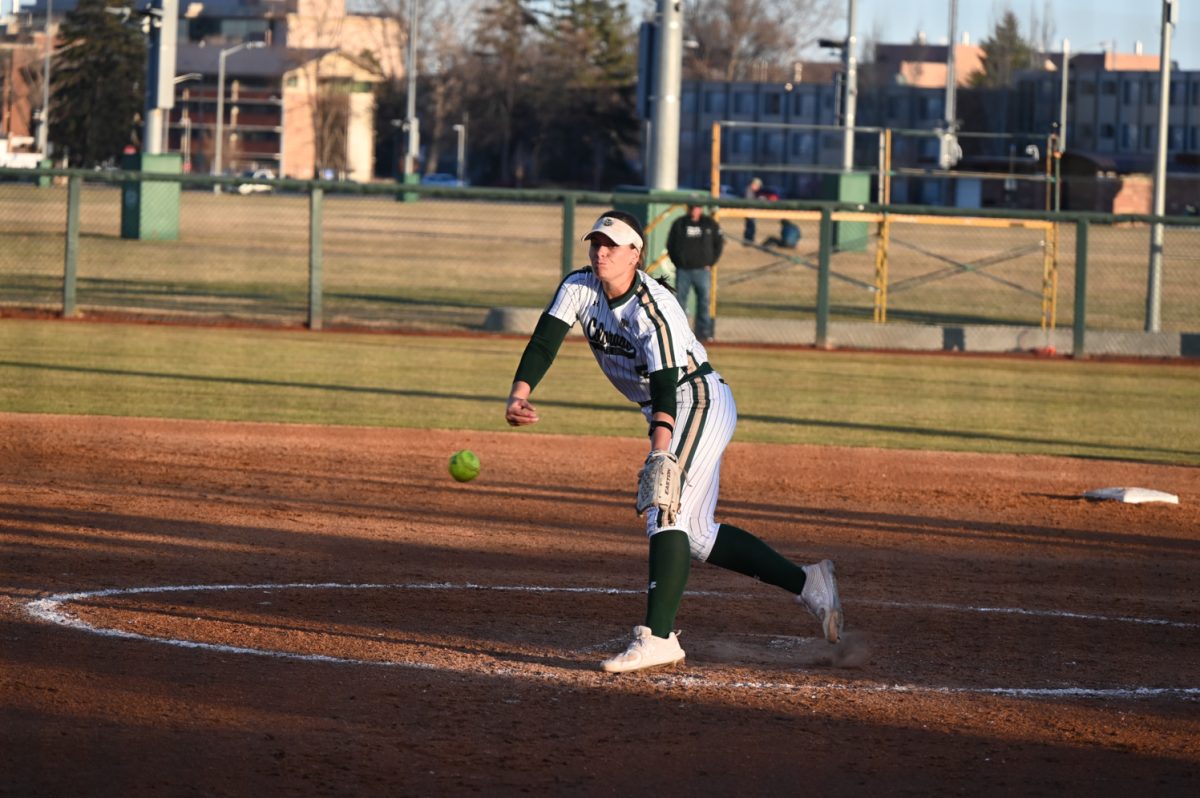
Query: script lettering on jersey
(609, 343)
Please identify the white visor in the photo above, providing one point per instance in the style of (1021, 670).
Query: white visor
(620, 233)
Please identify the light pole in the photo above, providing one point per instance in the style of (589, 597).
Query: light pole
(44, 127)
(851, 60)
(952, 70)
(410, 114)
(667, 82)
(849, 93)
(216, 165)
(461, 130)
(1170, 17)
(949, 151)
(1062, 96)
(185, 145)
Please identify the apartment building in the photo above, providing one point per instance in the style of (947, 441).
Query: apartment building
(298, 112)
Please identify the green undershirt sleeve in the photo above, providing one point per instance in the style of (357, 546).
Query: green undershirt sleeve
(540, 351)
(662, 391)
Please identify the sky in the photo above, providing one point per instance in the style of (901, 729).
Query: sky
(1087, 23)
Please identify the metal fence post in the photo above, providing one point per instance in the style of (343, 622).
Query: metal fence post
(1081, 258)
(315, 201)
(71, 250)
(568, 235)
(826, 254)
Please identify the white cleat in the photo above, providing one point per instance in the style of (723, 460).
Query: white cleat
(646, 651)
(820, 596)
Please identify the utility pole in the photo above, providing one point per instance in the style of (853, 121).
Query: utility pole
(668, 83)
(1170, 17)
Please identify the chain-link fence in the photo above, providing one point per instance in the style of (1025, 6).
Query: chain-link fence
(333, 255)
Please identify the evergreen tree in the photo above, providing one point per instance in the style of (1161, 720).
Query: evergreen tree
(587, 93)
(500, 93)
(98, 79)
(1004, 54)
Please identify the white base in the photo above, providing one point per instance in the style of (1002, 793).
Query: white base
(1132, 495)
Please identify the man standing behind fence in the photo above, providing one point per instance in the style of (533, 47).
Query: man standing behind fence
(752, 192)
(694, 245)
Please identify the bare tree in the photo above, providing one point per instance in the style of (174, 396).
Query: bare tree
(753, 39)
(442, 52)
(443, 26)
(1041, 29)
(331, 120)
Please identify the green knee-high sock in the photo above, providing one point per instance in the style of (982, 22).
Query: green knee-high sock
(670, 561)
(737, 550)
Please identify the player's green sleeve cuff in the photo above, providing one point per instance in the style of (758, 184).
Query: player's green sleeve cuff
(541, 350)
(662, 391)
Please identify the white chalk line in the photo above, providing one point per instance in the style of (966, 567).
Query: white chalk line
(50, 609)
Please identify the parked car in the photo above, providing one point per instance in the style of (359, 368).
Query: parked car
(442, 179)
(256, 188)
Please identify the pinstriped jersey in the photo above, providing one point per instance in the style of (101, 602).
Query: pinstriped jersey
(641, 332)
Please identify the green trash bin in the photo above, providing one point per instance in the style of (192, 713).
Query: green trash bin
(150, 208)
(848, 187)
(410, 179)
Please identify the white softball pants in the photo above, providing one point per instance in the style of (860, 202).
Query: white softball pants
(705, 417)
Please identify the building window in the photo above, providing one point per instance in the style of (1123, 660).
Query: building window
(1087, 132)
(803, 145)
(773, 103)
(1087, 88)
(714, 102)
(773, 145)
(1150, 92)
(1108, 131)
(803, 103)
(1109, 88)
(743, 103)
(1148, 132)
(743, 142)
(1130, 95)
(1128, 135)
(1195, 94)
(1175, 139)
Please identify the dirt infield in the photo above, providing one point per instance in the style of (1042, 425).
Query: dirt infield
(218, 609)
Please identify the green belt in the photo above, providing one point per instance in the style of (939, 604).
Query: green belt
(703, 370)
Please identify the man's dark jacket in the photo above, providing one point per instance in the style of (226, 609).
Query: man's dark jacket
(694, 245)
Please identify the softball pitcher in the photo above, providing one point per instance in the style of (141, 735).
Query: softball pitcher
(641, 339)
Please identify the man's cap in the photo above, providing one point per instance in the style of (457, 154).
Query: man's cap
(617, 231)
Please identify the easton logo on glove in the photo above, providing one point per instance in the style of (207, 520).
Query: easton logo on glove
(659, 485)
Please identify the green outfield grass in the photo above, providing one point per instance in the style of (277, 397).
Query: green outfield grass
(1020, 405)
